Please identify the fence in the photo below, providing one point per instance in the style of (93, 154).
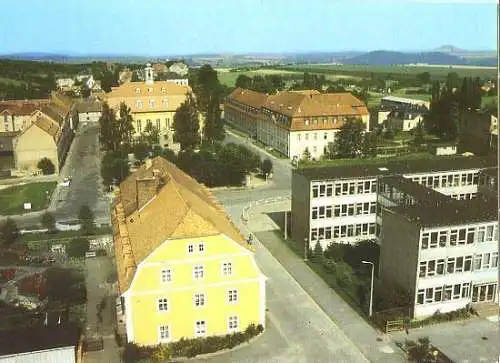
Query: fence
(396, 319)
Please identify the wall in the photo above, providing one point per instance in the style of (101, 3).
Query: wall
(33, 145)
(58, 355)
(399, 252)
(315, 141)
(301, 206)
(141, 307)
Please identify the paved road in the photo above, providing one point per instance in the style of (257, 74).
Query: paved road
(83, 165)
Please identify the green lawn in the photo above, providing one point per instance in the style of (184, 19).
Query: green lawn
(489, 100)
(229, 78)
(13, 198)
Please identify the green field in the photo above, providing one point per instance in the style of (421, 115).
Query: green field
(487, 100)
(13, 198)
(365, 70)
(229, 78)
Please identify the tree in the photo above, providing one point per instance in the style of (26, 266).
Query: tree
(369, 147)
(424, 78)
(243, 81)
(9, 232)
(108, 80)
(114, 168)
(213, 129)
(85, 91)
(418, 137)
(141, 151)
(86, 218)
(108, 136)
(125, 127)
(78, 247)
(46, 166)
(151, 134)
(187, 125)
(422, 351)
(48, 221)
(206, 84)
(318, 251)
(266, 166)
(306, 155)
(452, 81)
(350, 139)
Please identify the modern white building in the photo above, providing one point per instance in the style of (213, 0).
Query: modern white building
(402, 120)
(442, 252)
(401, 102)
(338, 204)
(294, 121)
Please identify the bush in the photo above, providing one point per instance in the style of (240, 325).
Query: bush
(46, 166)
(78, 247)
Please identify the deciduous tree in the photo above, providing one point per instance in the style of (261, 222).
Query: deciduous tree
(108, 136)
(48, 221)
(46, 166)
(86, 218)
(349, 140)
(187, 125)
(266, 166)
(213, 129)
(9, 232)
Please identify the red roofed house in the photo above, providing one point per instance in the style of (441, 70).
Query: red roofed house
(291, 122)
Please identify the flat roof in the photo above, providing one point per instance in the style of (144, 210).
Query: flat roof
(37, 338)
(365, 168)
(418, 191)
(412, 101)
(452, 213)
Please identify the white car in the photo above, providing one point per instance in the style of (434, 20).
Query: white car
(66, 182)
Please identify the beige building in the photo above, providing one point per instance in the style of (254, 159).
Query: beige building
(150, 102)
(291, 122)
(47, 132)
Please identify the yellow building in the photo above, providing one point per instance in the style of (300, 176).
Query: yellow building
(151, 102)
(184, 270)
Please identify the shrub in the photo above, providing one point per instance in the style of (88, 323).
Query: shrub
(131, 353)
(46, 166)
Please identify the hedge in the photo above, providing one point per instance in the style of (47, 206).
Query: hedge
(189, 348)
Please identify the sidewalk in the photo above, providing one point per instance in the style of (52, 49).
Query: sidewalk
(375, 345)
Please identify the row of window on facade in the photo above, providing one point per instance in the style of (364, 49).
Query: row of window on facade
(464, 196)
(149, 123)
(344, 188)
(200, 328)
(459, 236)
(152, 103)
(455, 179)
(348, 230)
(314, 136)
(452, 265)
(344, 210)
(325, 120)
(199, 300)
(198, 272)
(242, 106)
(443, 293)
(150, 90)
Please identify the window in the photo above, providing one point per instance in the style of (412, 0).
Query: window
(447, 292)
(322, 190)
(425, 240)
(315, 135)
(438, 293)
(465, 289)
(329, 189)
(137, 90)
(431, 268)
(201, 247)
(477, 261)
(158, 126)
(163, 333)
(232, 296)
(298, 137)
(315, 149)
(200, 328)
(165, 102)
(315, 191)
(459, 264)
(325, 136)
(423, 269)
(453, 237)
(470, 235)
(481, 233)
(166, 275)
(434, 240)
(451, 265)
(489, 233)
(306, 122)
(429, 295)
(232, 323)
(457, 291)
(486, 261)
(163, 90)
(138, 104)
(139, 126)
(494, 260)
(440, 267)
(152, 103)
(190, 248)
(420, 296)
(314, 213)
(163, 304)
(199, 299)
(306, 136)
(443, 236)
(198, 272)
(227, 269)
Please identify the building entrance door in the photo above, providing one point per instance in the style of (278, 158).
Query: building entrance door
(483, 293)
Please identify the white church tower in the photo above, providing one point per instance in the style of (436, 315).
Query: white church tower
(149, 74)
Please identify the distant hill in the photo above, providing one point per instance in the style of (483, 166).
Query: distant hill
(36, 56)
(383, 57)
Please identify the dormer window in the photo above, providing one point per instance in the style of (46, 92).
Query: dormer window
(163, 90)
(137, 90)
(138, 103)
(150, 90)
(306, 122)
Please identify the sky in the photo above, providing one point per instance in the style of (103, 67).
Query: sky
(178, 27)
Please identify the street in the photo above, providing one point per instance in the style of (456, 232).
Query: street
(83, 165)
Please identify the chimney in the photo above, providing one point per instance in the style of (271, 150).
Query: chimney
(146, 189)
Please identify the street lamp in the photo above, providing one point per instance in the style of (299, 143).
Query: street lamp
(371, 286)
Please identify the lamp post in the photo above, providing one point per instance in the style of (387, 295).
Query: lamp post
(371, 286)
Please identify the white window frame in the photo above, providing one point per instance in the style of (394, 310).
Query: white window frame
(166, 275)
(233, 323)
(162, 305)
(227, 268)
(190, 248)
(232, 296)
(201, 247)
(161, 329)
(199, 299)
(198, 272)
(200, 328)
